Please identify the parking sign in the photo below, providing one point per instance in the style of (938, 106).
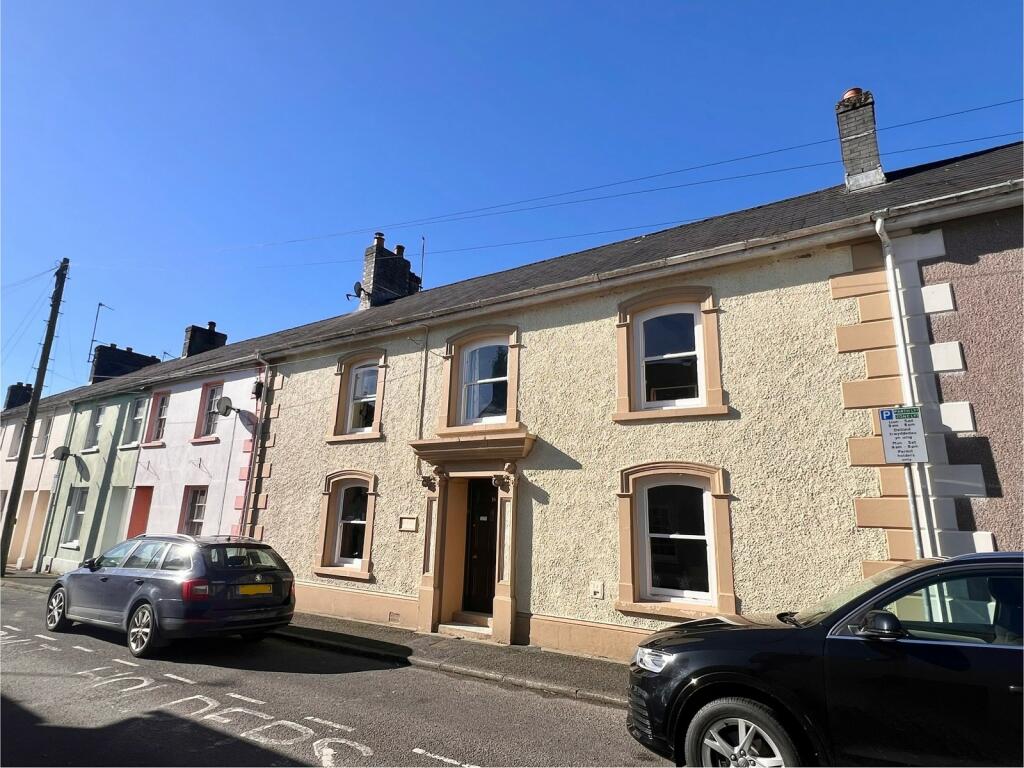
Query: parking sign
(903, 435)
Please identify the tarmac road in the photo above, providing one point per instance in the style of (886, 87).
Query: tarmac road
(79, 698)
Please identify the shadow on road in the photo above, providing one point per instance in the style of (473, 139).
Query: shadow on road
(269, 655)
(158, 738)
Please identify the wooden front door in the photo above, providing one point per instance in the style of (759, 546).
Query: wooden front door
(481, 531)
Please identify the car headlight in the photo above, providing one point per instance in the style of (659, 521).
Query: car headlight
(652, 660)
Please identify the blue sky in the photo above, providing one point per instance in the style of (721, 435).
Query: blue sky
(168, 149)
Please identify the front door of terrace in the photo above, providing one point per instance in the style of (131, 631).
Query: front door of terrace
(481, 538)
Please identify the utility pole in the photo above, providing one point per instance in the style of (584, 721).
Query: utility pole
(14, 498)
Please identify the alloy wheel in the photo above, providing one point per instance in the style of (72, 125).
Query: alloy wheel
(55, 609)
(140, 629)
(739, 743)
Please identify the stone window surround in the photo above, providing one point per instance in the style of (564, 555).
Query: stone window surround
(448, 421)
(627, 404)
(630, 589)
(343, 382)
(333, 485)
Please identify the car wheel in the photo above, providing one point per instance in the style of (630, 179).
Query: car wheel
(57, 611)
(142, 631)
(738, 732)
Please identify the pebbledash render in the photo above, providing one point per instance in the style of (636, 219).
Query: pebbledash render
(572, 453)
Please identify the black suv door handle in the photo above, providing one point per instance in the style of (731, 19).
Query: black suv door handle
(140, 581)
(104, 578)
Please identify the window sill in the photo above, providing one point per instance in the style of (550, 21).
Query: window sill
(657, 609)
(128, 447)
(73, 546)
(205, 440)
(354, 437)
(154, 444)
(12, 458)
(38, 455)
(342, 572)
(668, 414)
(87, 451)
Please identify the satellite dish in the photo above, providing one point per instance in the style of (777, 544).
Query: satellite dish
(357, 289)
(223, 406)
(61, 453)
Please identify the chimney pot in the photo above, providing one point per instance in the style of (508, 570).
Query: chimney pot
(113, 346)
(211, 325)
(851, 92)
(127, 349)
(400, 250)
(378, 238)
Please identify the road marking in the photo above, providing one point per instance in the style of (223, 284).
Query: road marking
(442, 758)
(325, 752)
(49, 647)
(126, 663)
(329, 723)
(246, 698)
(81, 648)
(8, 626)
(180, 679)
(15, 642)
(45, 637)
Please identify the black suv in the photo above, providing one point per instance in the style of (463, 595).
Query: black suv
(161, 587)
(920, 664)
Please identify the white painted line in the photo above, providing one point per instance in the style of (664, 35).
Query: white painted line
(442, 758)
(49, 647)
(45, 637)
(81, 648)
(180, 679)
(246, 698)
(330, 724)
(126, 663)
(15, 642)
(8, 626)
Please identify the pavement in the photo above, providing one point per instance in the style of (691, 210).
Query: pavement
(558, 674)
(79, 698)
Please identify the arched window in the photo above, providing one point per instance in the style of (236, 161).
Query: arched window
(675, 543)
(668, 356)
(360, 390)
(346, 525)
(480, 380)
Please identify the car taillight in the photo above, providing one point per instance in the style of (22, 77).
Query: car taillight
(195, 589)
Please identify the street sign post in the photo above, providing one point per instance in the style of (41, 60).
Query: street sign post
(903, 435)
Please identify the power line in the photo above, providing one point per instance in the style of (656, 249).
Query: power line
(30, 278)
(628, 194)
(440, 218)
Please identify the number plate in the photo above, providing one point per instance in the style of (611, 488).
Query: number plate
(255, 589)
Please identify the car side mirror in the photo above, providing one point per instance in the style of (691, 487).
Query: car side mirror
(90, 564)
(881, 625)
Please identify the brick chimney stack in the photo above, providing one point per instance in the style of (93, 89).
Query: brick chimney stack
(109, 362)
(17, 394)
(199, 339)
(855, 114)
(387, 275)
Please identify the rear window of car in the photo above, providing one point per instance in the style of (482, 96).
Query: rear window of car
(179, 557)
(243, 556)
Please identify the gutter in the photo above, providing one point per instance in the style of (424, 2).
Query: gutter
(256, 439)
(903, 356)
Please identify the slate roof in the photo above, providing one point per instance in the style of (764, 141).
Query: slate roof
(909, 185)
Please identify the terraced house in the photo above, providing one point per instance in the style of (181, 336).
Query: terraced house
(574, 452)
